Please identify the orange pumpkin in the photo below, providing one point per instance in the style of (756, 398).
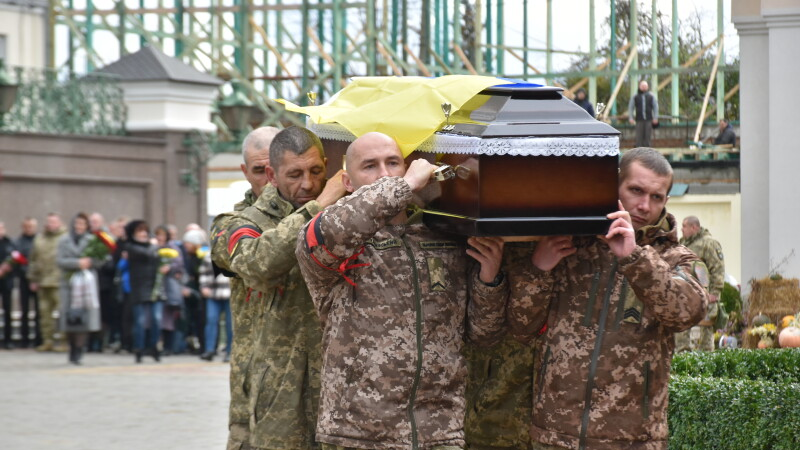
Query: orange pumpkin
(786, 321)
(789, 337)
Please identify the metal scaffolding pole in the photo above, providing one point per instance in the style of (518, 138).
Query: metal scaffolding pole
(592, 56)
(674, 89)
(721, 75)
(613, 64)
(634, 40)
(500, 38)
(654, 47)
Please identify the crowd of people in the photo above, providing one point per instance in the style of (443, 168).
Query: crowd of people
(121, 286)
(355, 326)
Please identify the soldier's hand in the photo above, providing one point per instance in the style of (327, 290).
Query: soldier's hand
(551, 250)
(621, 238)
(489, 252)
(333, 190)
(419, 174)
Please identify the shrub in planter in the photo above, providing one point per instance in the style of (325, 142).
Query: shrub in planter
(777, 365)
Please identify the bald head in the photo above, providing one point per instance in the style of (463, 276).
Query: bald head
(371, 157)
(255, 152)
(643, 86)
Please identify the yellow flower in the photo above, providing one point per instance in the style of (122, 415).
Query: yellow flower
(169, 253)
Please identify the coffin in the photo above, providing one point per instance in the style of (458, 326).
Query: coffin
(527, 162)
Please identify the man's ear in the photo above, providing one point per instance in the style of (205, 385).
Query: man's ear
(347, 182)
(270, 172)
(244, 168)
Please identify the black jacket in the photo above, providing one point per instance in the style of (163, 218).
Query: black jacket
(24, 245)
(727, 136)
(143, 264)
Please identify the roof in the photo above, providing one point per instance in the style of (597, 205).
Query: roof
(151, 64)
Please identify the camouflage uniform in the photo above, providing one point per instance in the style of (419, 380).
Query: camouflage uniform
(242, 346)
(607, 335)
(43, 270)
(393, 300)
(283, 370)
(708, 250)
(499, 390)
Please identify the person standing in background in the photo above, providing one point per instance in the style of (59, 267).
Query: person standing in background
(643, 111)
(44, 276)
(27, 298)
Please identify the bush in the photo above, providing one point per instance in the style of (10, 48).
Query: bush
(730, 414)
(780, 365)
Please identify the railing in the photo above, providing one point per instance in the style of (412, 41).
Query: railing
(90, 105)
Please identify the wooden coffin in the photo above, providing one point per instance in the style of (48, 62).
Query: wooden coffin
(532, 163)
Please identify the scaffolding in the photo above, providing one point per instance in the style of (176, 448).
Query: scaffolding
(290, 48)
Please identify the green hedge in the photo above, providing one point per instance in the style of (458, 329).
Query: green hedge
(778, 365)
(727, 414)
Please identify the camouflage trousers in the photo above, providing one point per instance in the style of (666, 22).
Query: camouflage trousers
(540, 446)
(239, 437)
(325, 446)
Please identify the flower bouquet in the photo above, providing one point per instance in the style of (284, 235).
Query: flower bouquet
(15, 259)
(101, 245)
(766, 334)
(166, 255)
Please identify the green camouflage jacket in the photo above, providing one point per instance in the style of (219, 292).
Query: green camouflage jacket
(393, 300)
(242, 311)
(606, 336)
(284, 369)
(499, 395)
(42, 267)
(709, 250)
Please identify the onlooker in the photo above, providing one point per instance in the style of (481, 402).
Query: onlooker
(708, 249)
(27, 298)
(194, 328)
(216, 289)
(605, 311)
(726, 136)
(122, 320)
(143, 263)
(6, 283)
(582, 101)
(105, 278)
(643, 111)
(170, 290)
(80, 306)
(45, 277)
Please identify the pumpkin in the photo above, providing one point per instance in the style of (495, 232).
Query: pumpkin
(789, 337)
(786, 321)
(761, 319)
(765, 343)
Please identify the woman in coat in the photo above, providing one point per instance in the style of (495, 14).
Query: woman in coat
(143, 263)
(80, 306)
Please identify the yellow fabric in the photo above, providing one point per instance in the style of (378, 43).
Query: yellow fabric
(409, 109)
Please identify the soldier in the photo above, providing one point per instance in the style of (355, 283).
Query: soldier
(393, 300)
(699, 240)
(605, 310)
(283, 367)
(45, 277)
(255, 153)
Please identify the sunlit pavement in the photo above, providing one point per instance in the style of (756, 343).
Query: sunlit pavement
(111, 403)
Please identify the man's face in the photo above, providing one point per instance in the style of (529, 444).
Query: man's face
(643, 194)
(722, 124)
(371, 160)
(643, 86)
(255, 169)
(96, 222)
(299, 178)
(29, 227)
(80, 226)
(52, 223)
(689, 229)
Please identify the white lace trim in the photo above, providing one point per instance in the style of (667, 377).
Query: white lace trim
(521, 146)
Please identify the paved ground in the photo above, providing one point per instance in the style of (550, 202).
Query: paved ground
(111, 403)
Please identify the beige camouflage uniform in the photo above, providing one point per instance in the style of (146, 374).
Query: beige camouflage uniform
(710, 252)
(393, 300)
(242, 345)
(284, 368)
(600, 376)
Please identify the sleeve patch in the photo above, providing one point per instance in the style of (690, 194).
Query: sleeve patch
(245, 232)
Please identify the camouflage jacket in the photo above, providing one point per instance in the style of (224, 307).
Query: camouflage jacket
(42, 267)
(709, 250)
(499, 395)
(606, 331)
(393, 300)
(285, 364)
(242, 312)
